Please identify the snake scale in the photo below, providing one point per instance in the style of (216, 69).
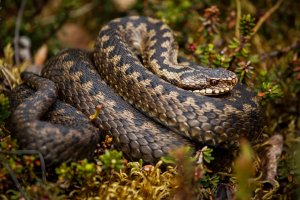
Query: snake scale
(152, 100)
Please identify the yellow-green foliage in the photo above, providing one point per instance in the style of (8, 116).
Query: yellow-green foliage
(113, 178)
(10, 73)
(8, 69)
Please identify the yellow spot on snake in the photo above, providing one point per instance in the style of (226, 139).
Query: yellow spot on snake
(88, 85)
(124, 68)
(190, 100)
(134, 17)
(116, 59)
(104, 38)
(153, 21)
(109, 49)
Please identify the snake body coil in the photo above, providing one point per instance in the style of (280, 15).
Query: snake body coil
(164, 116)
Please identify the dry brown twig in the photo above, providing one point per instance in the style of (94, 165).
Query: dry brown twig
(266, 16)
(238, 18)
(260, 21)
(17, 31)
(280, 52)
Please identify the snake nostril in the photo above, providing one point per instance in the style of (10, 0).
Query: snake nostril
(214, 82)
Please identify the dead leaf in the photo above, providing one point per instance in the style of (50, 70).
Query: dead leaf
(123, 5)
(41, 55)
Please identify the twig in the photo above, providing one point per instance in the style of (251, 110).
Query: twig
(238, 18)
(31, 152)
(14, 177)
(15, 180)
(266, 16)
(8, 75)
(82, 10)
(17, 31)
(278, 53)
(12, 174)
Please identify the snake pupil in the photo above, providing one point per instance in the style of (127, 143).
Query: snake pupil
(214, 82)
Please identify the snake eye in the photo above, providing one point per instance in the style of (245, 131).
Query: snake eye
(214, 82)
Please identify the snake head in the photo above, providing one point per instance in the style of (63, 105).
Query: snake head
(208, 81)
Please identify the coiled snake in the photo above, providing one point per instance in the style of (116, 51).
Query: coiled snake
(135, 59)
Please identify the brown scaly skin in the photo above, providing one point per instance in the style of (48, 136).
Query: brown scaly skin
(184, 117)
(62, 134)
(213, 121)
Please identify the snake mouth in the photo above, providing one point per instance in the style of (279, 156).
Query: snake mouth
(212, 91)
(217, 87)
